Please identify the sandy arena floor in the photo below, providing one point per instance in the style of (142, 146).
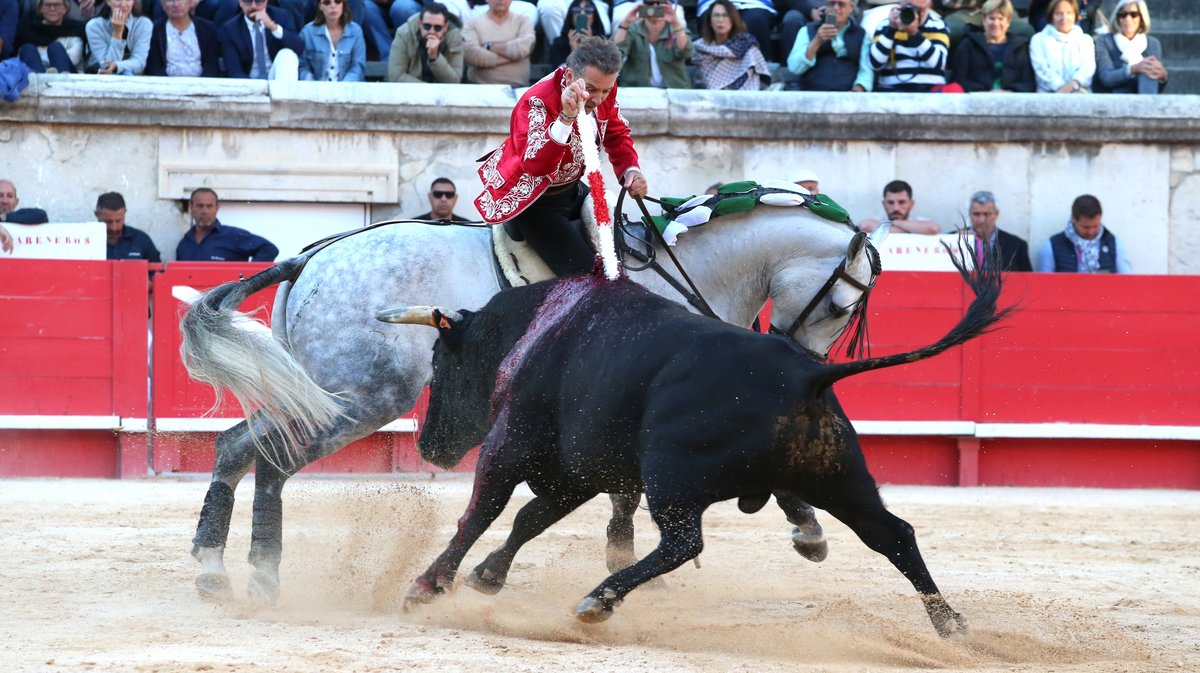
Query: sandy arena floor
(96, 577)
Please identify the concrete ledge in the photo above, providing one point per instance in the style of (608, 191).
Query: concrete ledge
(473, 109)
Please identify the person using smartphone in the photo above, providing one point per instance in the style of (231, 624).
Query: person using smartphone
(119, 39)
(832, 54)
(654, 22)
(582, 20)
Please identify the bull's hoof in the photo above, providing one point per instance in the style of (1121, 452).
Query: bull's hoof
(595, 609)
(951, 625)
(420, 592)
(485, 581)
(264, 588)
(809, 544)
(214, 587)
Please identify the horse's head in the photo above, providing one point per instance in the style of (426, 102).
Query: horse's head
(822, 292)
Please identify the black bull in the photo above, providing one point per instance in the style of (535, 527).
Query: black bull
(583, 387)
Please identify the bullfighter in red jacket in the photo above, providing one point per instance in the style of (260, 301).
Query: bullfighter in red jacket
(533, 179)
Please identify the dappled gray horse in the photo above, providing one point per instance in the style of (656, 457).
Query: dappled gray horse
(326, 374)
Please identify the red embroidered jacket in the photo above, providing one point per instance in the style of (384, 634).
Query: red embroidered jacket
(529, 162)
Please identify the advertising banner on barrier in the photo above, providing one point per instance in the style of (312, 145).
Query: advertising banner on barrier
(57, 240)
(920, 252)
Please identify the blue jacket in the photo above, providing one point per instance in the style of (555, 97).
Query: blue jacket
(133, 244)
(1066, 258)
(206, 36)
(351, 53)
(1110, 69)
(225, 244)
(10, 11)
(27, 216)
(238, 48)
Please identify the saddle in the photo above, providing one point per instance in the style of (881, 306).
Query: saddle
(519, 264)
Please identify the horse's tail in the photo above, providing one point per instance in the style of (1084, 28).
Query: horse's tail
(231, 350)
(986, 282)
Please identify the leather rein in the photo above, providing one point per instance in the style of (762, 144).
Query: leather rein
(692, 293)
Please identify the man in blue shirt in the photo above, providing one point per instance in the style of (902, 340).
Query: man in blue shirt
(210, 241)
(9, 212)
(123, 242)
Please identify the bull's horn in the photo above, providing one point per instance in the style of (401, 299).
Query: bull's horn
(418, 315)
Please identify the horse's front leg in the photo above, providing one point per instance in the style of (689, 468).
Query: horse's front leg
(235, 456)
(619, 552)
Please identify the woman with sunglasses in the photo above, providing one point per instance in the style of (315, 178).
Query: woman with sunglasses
(335, 49)
(1128, 59)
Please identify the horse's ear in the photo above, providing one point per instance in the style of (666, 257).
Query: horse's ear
(442, 321)
(857, 245)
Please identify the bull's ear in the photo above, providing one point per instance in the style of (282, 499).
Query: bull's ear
(442, 321)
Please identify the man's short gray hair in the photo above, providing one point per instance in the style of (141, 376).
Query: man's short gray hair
(598, 52)
(983, 198)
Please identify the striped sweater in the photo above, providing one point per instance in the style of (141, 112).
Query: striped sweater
(906, 62)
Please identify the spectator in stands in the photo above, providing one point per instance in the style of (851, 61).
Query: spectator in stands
(334, 47)
(10, 15)
(993, 59)
(443, 196)
(1085, 246)
(50, 39)
(182, 45)
(261, 43)
(429, 48)
(9, 212)
(210, 241)
(1013, 252)
(796, 14)
(124, 242)
(1128, 59)
(808, 180)
(119, 39)
(833, 56)
(726, 56)
(910, 56)
(1063, 56)
(759, 16)
(1039, 14)
(216, 12)
(898, 205)
(623, 8)
(583, 20)
(654, 46)
(557, 17)
(498, 43)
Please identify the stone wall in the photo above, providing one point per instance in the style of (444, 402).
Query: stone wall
(70, 138)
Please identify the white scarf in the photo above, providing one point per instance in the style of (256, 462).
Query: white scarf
(1131, 50)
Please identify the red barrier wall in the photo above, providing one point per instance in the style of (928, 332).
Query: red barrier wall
(73, 344)
(1092, 350)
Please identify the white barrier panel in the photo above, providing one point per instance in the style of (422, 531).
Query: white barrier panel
(57, 240)
(920, 252)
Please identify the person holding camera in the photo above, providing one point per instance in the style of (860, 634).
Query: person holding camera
(655, 47)
(427, 48)
(909, 52)
(832, 54)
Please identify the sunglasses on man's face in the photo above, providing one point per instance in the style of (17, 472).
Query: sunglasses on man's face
(253, 3)
(437, 194)
(331, 2)
(437, 28)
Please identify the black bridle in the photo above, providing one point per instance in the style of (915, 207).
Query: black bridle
(692, 293)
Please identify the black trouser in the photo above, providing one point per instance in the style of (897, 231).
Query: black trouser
(549, 228)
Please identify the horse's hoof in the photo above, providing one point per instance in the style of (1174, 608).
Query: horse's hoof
(595, 609)
(811, 546)
(485, 582)
(214, 587)
(952, 625)
(263, 589)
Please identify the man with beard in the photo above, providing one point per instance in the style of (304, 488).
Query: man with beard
(898, 204)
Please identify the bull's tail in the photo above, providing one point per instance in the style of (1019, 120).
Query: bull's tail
(986, 281)
(231, 350)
